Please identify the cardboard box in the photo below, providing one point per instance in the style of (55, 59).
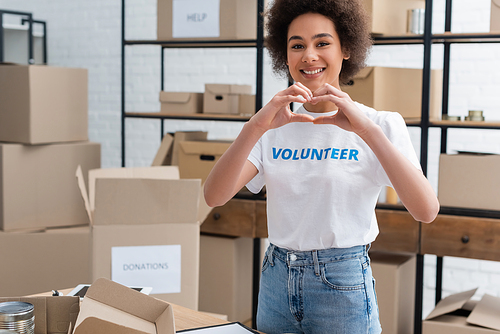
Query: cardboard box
(197, 158)
(495, 16)
(466, 180)
(146, 230)
(33, 262)
(458, 314)
(181, 103)
(226, 276)
(224, 99)
(395, 287)
(53, 315)
(246, 105)
(390, 17)
(111, 308)
(168, 152)
(43, 104)
(237, 20)
(396, 89)
(37, 184)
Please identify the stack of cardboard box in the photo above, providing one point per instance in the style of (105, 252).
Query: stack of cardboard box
(44, 232)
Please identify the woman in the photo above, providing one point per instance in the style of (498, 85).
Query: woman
(324, 167)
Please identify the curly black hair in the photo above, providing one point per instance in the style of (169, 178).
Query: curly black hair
(348, 16)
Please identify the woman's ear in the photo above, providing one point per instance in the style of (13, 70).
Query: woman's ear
(346, 54)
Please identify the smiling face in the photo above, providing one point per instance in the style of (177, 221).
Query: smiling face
(314, 53)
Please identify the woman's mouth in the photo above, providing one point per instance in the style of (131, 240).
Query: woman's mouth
(313, 71)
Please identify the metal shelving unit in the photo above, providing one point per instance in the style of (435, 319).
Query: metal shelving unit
(447, 39)
(26, 18)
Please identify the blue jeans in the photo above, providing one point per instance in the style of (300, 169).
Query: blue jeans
(325, 291)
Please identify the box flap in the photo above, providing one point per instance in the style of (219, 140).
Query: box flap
(156, 173)
(164, 154)
(113, 305)
(451, 303)
(486, 313)
(175, 97)
(209, 147)
(83, 191)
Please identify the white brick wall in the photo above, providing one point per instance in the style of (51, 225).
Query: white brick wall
(86, 33)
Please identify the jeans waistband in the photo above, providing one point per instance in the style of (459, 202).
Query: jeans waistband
(314, 257)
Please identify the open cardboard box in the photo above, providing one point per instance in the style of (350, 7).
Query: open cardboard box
(110, 308)
(458, 314)
(135, 212)
(53, 314)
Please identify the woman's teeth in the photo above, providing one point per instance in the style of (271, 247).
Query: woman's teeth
(313, 72)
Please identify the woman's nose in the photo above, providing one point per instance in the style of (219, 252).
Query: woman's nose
(309, 55)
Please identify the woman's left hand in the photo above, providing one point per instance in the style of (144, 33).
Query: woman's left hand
(349, 117)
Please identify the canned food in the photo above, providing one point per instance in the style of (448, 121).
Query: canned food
(18, 317)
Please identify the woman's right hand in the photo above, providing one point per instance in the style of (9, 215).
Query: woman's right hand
(277, 112)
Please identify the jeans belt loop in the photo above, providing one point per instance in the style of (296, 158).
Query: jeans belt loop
(270, 255)
(316, 262)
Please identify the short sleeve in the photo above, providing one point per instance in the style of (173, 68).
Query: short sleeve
(257, 183)
(394, 127)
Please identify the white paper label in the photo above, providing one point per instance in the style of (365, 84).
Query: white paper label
(195, 18)
(158, 267)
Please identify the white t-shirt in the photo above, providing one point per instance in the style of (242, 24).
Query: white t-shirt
(323, 182)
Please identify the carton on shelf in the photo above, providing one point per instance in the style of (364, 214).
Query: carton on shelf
(43, 104)
(495, 16)
(53, 314)
(237, 20)
(389, 17)
(168, 152)
(466, 179)
(396, 89)
(181, 103)
(197, 158)
(146, 229)
(458, 313)
(111, 308)
(35, 261)
(225, 99)
(37, 188)
(395, 287)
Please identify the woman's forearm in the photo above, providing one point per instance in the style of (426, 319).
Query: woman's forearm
(411, 185)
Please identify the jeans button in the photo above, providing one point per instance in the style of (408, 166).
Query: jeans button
(293, 257)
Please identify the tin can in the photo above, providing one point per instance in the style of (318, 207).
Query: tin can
(475, 115)
(18, 317)
(416, 21)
